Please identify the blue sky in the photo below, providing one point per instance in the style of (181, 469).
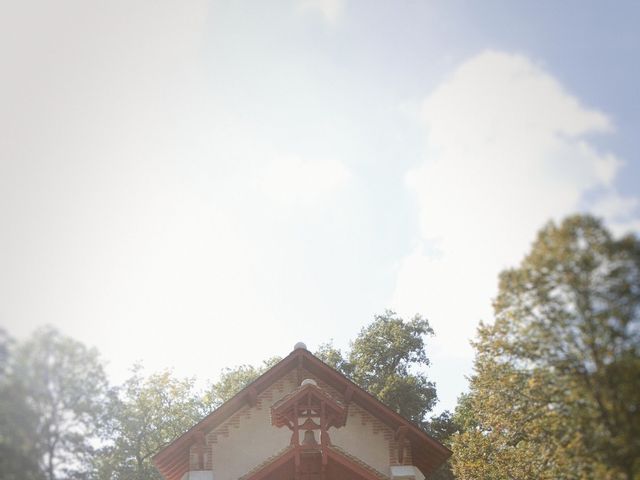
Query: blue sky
(202, 184)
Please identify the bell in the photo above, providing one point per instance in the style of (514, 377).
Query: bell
(309, 438)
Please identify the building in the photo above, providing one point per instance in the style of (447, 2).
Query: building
(302, 420)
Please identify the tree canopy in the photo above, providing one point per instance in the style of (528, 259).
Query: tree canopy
(63, 386)
(18, 422)
(232, 380)
(146, 414)
(388, 359)
(555, 387)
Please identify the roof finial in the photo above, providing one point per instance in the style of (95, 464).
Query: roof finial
(300, 345)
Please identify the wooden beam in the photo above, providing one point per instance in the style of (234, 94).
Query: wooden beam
(299, 369)
(348, 394)
(252, 396)
(401, 433)
(200, 444)
(177, 470)
(174, 457)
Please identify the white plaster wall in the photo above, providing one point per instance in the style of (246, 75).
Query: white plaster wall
(406, 472)
(252, 443)
(361, 441)
(198, 475)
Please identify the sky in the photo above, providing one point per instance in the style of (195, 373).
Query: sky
(201, 184)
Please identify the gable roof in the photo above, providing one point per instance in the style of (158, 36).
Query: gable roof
(427, 453)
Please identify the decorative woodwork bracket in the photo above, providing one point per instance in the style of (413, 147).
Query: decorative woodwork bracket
(400, 435)
(200, 447)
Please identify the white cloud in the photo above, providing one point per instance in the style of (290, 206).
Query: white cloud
(291, 180)
(330, 10)
(619, 211)
(507, 150)
(615, 205)
(135, 199)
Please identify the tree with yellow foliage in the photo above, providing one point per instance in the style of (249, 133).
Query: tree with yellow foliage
(556, 387)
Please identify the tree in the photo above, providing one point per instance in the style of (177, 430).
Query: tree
(443, 427)
(18, 431)
(146, 414)
(63, 386)
(232, 380)
(387, 359)
(555, 387)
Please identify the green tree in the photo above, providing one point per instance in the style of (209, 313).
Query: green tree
(388, 359)
(18, 428)
(64, 387)
(146, 414)
(443, 427)
(555, 388)
(232, 380)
